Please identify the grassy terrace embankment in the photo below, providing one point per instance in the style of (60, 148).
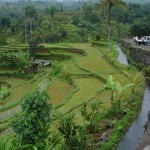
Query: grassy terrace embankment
(83, 71)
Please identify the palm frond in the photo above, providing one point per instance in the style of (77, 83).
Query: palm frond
(121, 4)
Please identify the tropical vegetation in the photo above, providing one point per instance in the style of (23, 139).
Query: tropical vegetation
(60, 85)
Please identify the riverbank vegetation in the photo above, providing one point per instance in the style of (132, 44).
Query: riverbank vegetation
(140, 61)
(86, 98)
(61, 87)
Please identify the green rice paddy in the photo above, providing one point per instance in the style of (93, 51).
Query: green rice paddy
(65, 96)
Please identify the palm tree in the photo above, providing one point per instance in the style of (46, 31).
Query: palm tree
(30, 13)
(109, 4)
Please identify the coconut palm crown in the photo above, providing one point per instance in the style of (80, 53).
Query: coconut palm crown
(108, 4)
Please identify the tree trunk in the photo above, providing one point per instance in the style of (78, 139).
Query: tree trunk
(109, 37)
(112, 98)
(31, 27)
(109, 21)
(25, 28)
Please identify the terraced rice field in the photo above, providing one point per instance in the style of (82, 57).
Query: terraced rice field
(58, 90)
(83, 89)
(14, 48)
(72, 67)
(94, 60)
(87, 90)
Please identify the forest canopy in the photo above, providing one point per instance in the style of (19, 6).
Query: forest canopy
(54, 22)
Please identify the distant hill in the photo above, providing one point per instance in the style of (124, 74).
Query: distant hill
(91, 1)
(138, 1)
(80, 1)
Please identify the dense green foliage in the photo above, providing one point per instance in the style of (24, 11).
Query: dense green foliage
(4, 92)
(138, 16)
(72, 133)
(33, 124)
(77, 131)
(19, 60)
(137, 1)
(88, 101)
(47, 23)
(3, 41)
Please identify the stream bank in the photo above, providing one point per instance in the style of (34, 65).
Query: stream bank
(136, 131)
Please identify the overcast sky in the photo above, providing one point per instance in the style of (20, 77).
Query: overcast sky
(65, 0)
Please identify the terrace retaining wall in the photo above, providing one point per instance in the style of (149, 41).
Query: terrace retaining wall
(138, 54)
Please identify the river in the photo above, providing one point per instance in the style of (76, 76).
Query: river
(135, 133)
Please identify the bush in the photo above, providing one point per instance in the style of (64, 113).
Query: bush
(56, 69)
(73, 37)
(22, 60)
(3, 41)
(34, 122)
(19, 59)
(72, 133)
(54, 37)
(4, 92)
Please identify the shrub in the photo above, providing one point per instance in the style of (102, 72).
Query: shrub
(91, 119)
(72, 133)
(4, 92)
(56, 69)
(22, 60)
(74, 37)
(3, 41)
(33, 124)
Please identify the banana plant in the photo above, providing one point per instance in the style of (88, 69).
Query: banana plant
(116, 87)
(136, 79)
(120, 90)
(110, 85)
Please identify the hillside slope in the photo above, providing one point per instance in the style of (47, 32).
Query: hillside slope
(138, 1)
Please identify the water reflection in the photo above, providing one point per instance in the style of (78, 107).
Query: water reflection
(122, 58)
(135, 132)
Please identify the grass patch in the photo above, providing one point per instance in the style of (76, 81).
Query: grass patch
(87, 90)
(58, 90)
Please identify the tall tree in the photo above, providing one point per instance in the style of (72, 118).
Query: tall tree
(4, 25)
(51, 11)
(30, 13)
(108, 4)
